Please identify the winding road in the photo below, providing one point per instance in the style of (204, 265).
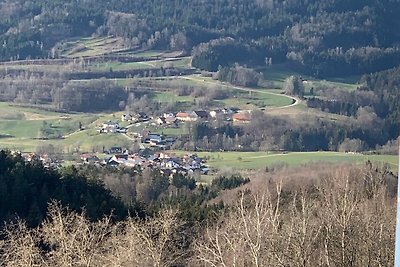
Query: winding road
(295, 100)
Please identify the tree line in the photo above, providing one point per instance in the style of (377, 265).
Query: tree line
(266, 133)
(375, 102)
(341, 218)
(27, 187)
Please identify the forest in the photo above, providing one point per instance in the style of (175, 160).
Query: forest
(328, 38)
(307, 75)
(338, 218)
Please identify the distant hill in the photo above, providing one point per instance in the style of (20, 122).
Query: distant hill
(326, 38)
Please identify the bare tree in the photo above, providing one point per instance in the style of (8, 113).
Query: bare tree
(145, 243)
(72, 239)
(19, 247)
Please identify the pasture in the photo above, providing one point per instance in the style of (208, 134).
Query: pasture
(275, 77)
(260, 160)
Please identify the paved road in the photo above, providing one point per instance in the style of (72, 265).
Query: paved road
(295, 100)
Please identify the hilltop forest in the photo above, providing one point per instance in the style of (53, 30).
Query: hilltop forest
(324, 38)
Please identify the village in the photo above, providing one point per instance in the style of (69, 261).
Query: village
(153, 147)
(148, 138)
(168, 164)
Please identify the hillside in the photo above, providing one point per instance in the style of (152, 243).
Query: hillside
(280, 217)
(328, 38)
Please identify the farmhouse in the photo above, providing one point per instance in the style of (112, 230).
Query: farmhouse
(216, 113)
(111, 127)
(89, 158)
(199, 114)
(244, 117)
(184, 116)
(161, 120)
(141, 116)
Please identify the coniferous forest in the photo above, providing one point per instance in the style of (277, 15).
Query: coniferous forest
(328, 38)
(199, 132)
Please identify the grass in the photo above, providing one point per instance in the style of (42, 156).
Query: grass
(22, 130)
(91, 46)
(260, 99)
(152, 64)
(86, 140)
(257, 160)
(89, 140)
(277, 74)
(35, 67)
(96, 46)
(171, 97)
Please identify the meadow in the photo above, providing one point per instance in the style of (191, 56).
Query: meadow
(275, 77)
(260, 160)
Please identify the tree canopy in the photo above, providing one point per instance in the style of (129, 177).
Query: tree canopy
(327, 38)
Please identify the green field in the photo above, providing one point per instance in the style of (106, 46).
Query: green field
(91, 46)
(20, 127)
(152, 64)
(277, 74)
(257, 160)
(253, 100)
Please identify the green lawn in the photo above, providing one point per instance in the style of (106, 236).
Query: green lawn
(256, 160)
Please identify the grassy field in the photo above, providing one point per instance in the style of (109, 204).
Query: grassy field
(257, 160)
(91, 46)
(35, 67)
(152, 64)
(253, 100)
(277, 74)
(20, 127)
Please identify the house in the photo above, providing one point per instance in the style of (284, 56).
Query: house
(115, 150)
(161, 120)
(126, 117)
(111, 127)
(170, 120)
(229, 111)
(166, 115)
(163, 155)
(154, 137)
(89, 158)
(140, 116)
(217, 113)
(199, 115)
(30, 156)
(112, 163)
(120, 158)
(243, 117)
(184, 116)
(171, 164)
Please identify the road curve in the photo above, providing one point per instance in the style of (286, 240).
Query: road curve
(295, 100)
